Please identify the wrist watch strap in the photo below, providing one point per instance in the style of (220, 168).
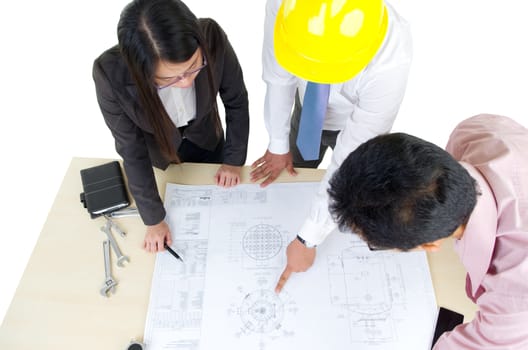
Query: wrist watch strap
(306, 244)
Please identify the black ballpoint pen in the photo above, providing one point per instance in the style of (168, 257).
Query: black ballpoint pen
(173, 253)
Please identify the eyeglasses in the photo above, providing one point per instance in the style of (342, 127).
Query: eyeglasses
(185, 75)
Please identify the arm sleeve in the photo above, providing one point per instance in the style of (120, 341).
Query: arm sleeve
(130, 144)
(235, 99)
(500, 324)
(280, 88)
(379, 95)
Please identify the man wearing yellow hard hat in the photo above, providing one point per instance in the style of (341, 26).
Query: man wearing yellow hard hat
(342, 65)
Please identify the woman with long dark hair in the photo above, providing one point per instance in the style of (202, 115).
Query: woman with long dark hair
(157, 91)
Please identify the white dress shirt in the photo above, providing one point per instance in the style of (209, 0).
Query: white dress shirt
(361, 108)
(179, 103)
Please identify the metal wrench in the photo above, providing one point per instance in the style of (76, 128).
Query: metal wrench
(123, 213)
(114, 226)
(121, 259)
(109, 283)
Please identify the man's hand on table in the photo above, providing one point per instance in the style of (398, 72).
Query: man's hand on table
(269, 167)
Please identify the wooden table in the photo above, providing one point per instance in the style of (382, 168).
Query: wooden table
(57, 304)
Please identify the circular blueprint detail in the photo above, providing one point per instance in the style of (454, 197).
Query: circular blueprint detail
(262, 311)
(262, 242)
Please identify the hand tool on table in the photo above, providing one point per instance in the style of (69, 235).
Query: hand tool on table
(109, 283)
(121, 259)
(114, 226)
(123, 213)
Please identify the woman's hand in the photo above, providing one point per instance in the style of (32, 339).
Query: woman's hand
(228, 175)
(156, 236)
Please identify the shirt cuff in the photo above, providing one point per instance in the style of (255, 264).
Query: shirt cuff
(279, 146)
(314, 232)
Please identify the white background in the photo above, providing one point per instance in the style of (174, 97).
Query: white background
(470, 57)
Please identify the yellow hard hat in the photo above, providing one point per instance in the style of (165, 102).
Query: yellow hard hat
(328, 41)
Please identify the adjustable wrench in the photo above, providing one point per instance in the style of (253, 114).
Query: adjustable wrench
(109, 283)
(121, 259)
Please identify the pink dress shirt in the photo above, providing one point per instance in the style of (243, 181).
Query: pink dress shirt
(494, 247)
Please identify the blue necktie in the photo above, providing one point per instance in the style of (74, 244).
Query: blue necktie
(312, 117)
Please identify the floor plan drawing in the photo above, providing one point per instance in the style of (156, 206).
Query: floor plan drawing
(234, 246)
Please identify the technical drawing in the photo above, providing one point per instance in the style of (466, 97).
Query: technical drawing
(369, 286)
(235, 196)
(263, 315)
(181, 198)
(191, 218)
(262, 311)
(186, 222)
(179, 303)
(256, 244)
(234, 246)
(262, 242)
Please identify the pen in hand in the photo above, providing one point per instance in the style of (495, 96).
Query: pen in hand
(173, 253)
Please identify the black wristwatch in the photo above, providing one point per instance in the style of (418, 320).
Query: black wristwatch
(306, 244)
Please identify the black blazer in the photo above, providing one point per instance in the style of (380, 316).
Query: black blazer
(118, 99)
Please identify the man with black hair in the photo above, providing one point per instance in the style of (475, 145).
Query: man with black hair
(399, 192)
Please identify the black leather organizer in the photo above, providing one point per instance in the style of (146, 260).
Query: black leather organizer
(104, 189)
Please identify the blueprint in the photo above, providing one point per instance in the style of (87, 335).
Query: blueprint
(233, 242)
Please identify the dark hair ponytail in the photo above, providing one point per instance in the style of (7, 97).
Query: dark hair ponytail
(150, 31)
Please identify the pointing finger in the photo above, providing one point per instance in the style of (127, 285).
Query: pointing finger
(283, 279)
